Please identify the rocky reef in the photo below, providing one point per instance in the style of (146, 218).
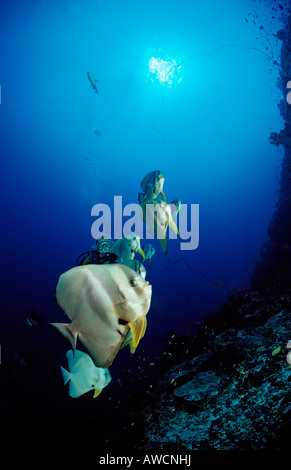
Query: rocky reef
(235, 394)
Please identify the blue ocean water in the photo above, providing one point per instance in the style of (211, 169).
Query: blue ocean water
(206, 127)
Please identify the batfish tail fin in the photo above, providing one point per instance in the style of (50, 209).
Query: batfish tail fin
(65, 330)
(66, 375)
(164, 245)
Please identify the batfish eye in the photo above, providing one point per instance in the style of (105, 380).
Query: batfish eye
(133, 283)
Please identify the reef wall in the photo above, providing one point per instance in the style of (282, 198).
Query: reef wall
(274, 266)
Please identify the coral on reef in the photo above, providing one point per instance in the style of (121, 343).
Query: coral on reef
(235, 393)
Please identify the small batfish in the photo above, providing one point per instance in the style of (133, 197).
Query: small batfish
(84, 375)
(103, 302)
(176, 207)
(126, 247)
(149, 251)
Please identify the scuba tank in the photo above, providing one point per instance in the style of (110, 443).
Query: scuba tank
(100, 254)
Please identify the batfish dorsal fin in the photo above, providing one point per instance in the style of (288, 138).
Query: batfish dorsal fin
(65, 330)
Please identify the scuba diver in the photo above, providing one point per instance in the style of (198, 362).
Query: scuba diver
(100, 254)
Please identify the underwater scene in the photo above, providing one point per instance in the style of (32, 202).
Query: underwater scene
(146, 227)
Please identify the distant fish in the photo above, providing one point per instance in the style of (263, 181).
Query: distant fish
(98, 132)
(93, 81)
(20, 363)
(22, 360)
(176, 208)
(33, 319)
(149, 251)
(84, 375)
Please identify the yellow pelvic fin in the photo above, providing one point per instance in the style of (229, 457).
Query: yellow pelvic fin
(141, 252)
(174, 227)
(163, 196)
(138, 328)
(97, 392)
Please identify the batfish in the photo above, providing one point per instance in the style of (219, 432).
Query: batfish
(176, 208)
(125, 249)
(149, 251)
(103, 302)
(158, 215)
(84, 375)
(153, 185)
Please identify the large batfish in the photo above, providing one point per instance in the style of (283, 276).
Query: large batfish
(103, 302)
